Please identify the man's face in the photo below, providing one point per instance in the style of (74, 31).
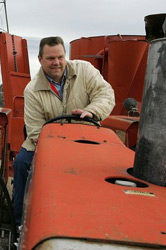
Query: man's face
(53, 61)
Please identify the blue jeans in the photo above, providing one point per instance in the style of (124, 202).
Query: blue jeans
(22, 165)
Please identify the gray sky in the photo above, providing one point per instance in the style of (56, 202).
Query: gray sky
(72, 19)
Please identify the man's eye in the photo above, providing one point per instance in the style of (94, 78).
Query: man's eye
(50, 58)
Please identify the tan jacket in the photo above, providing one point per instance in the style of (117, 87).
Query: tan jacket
(84, 89)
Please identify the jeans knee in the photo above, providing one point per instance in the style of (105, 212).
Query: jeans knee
(23, 160)
(19, 164)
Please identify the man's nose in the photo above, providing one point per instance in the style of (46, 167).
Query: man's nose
(56, 61)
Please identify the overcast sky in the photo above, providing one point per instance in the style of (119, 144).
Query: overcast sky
(73, 19)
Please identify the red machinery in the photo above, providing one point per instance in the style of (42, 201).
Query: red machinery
(87, 198)
(106, 53)
(15, 76)
(120, 59)
(93, 197)
(122, 62)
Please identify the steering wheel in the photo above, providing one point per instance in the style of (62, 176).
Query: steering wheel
(73, 117)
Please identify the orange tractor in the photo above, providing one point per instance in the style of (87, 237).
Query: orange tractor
(101, 195)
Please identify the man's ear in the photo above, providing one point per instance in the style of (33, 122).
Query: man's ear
(39, 58)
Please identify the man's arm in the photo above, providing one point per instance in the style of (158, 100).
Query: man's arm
(33, 116)
(101, 94)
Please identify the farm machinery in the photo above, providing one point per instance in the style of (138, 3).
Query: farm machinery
(100, 194)
(15, 76)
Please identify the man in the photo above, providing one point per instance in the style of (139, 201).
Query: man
(60, 87)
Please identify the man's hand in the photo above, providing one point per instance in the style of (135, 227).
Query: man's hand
(35, 141)
(82, 113)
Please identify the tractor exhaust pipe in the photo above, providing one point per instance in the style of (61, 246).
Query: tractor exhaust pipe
(150, 158)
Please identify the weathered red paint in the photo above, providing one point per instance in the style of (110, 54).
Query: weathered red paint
(69, 196)
(15, 76)
(120, 59)
(127, 124)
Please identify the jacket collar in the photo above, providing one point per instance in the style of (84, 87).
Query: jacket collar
(71, 69)
(42, 83)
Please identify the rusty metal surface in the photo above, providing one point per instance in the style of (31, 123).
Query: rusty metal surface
(4, 116)
(14, 66)
(127, 65)
(15, 76)
(119, 122)
(70, 197)
(155, 26)
(150, 161)
(123, 123)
